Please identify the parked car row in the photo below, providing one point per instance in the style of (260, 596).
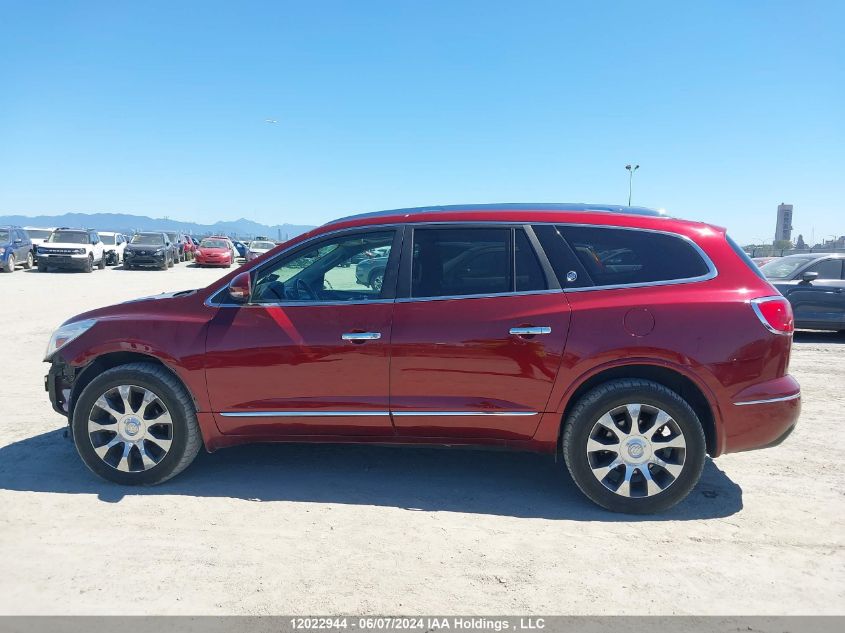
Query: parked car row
(87, 249)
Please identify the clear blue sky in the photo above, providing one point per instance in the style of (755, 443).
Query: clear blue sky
(158, 108)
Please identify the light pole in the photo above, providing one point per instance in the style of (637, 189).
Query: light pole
(631, 169)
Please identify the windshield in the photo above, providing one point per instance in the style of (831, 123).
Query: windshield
(261, 246)
(38, 234)
(174, 237)
(153, 239)
(107, 239)
(69, 237)
(213, 244)
(784, 267)
(4, 236)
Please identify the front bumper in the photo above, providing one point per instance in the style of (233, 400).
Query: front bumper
(58, 383)
(213, 261)
(64, 261)
(145, 260)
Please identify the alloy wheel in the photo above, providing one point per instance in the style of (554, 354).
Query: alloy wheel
(130, 428)
(636, 450)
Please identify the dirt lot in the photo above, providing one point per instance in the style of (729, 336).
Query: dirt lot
(326, 529)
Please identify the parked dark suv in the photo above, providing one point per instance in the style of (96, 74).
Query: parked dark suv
(15, 248)
(151, 249)
(814, 283)
(632, 343)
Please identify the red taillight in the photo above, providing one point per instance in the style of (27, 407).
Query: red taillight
(775, 313)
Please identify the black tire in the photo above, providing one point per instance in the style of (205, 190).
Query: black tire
(186, 438)
(604, 398)
(170, 262)
(29, 261)
(376, 280)
(89, 264)
(9, 266)
(102, 263)
(165, 264)
(126, 266)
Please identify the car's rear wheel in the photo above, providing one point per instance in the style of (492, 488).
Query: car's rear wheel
(634, 446)
(136, 425)
(29, 261)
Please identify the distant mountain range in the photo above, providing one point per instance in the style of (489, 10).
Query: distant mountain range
(126, 223)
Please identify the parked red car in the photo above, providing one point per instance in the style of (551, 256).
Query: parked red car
(632, 343)
(215, 251)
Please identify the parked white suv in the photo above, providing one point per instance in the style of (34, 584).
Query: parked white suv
(113, 244)
(79, 249)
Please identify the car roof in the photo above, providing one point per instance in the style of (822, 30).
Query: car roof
(814, 255)
(510, 207)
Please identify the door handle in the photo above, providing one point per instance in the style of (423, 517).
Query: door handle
(361, 336)
(531, 331)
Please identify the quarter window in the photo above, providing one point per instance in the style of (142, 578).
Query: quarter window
(613, 256)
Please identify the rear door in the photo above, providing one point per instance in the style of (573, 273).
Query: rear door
(821, 302)
(479, 330)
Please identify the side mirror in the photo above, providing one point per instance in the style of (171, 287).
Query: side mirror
(808, 277)
(240, 288)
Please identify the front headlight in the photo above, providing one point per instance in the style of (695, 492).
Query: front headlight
(65, 334)
(2, 251)
(159, 251)
(80, 251)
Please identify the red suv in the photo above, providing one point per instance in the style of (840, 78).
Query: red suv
(633, 343)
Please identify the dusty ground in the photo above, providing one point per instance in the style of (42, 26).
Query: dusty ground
(304, 529)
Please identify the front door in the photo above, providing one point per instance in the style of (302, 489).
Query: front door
(479, 336)
(309, 354)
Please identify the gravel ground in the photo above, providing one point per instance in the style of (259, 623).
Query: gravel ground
(338, 529)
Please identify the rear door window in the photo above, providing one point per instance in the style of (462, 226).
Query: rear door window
(613, 256)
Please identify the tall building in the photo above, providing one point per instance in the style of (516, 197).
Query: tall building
(783, 230)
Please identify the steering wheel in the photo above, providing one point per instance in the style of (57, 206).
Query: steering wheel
(301, 286)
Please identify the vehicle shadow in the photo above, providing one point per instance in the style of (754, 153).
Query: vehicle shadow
(414, 478)
(818, 336)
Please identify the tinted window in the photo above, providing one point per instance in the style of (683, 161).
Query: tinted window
(38, 234)
(529, 273)
(5, 236)
(827, 269)
(461, 261)
(560, 256)
(620, 256)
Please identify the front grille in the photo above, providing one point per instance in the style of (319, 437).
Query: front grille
(59, 251)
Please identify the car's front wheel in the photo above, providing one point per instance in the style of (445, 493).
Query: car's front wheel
(10, 264)
(135, 424)
(633, 445)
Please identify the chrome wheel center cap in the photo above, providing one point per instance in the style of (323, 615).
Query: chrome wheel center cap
(636, 450)
(131, 426)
